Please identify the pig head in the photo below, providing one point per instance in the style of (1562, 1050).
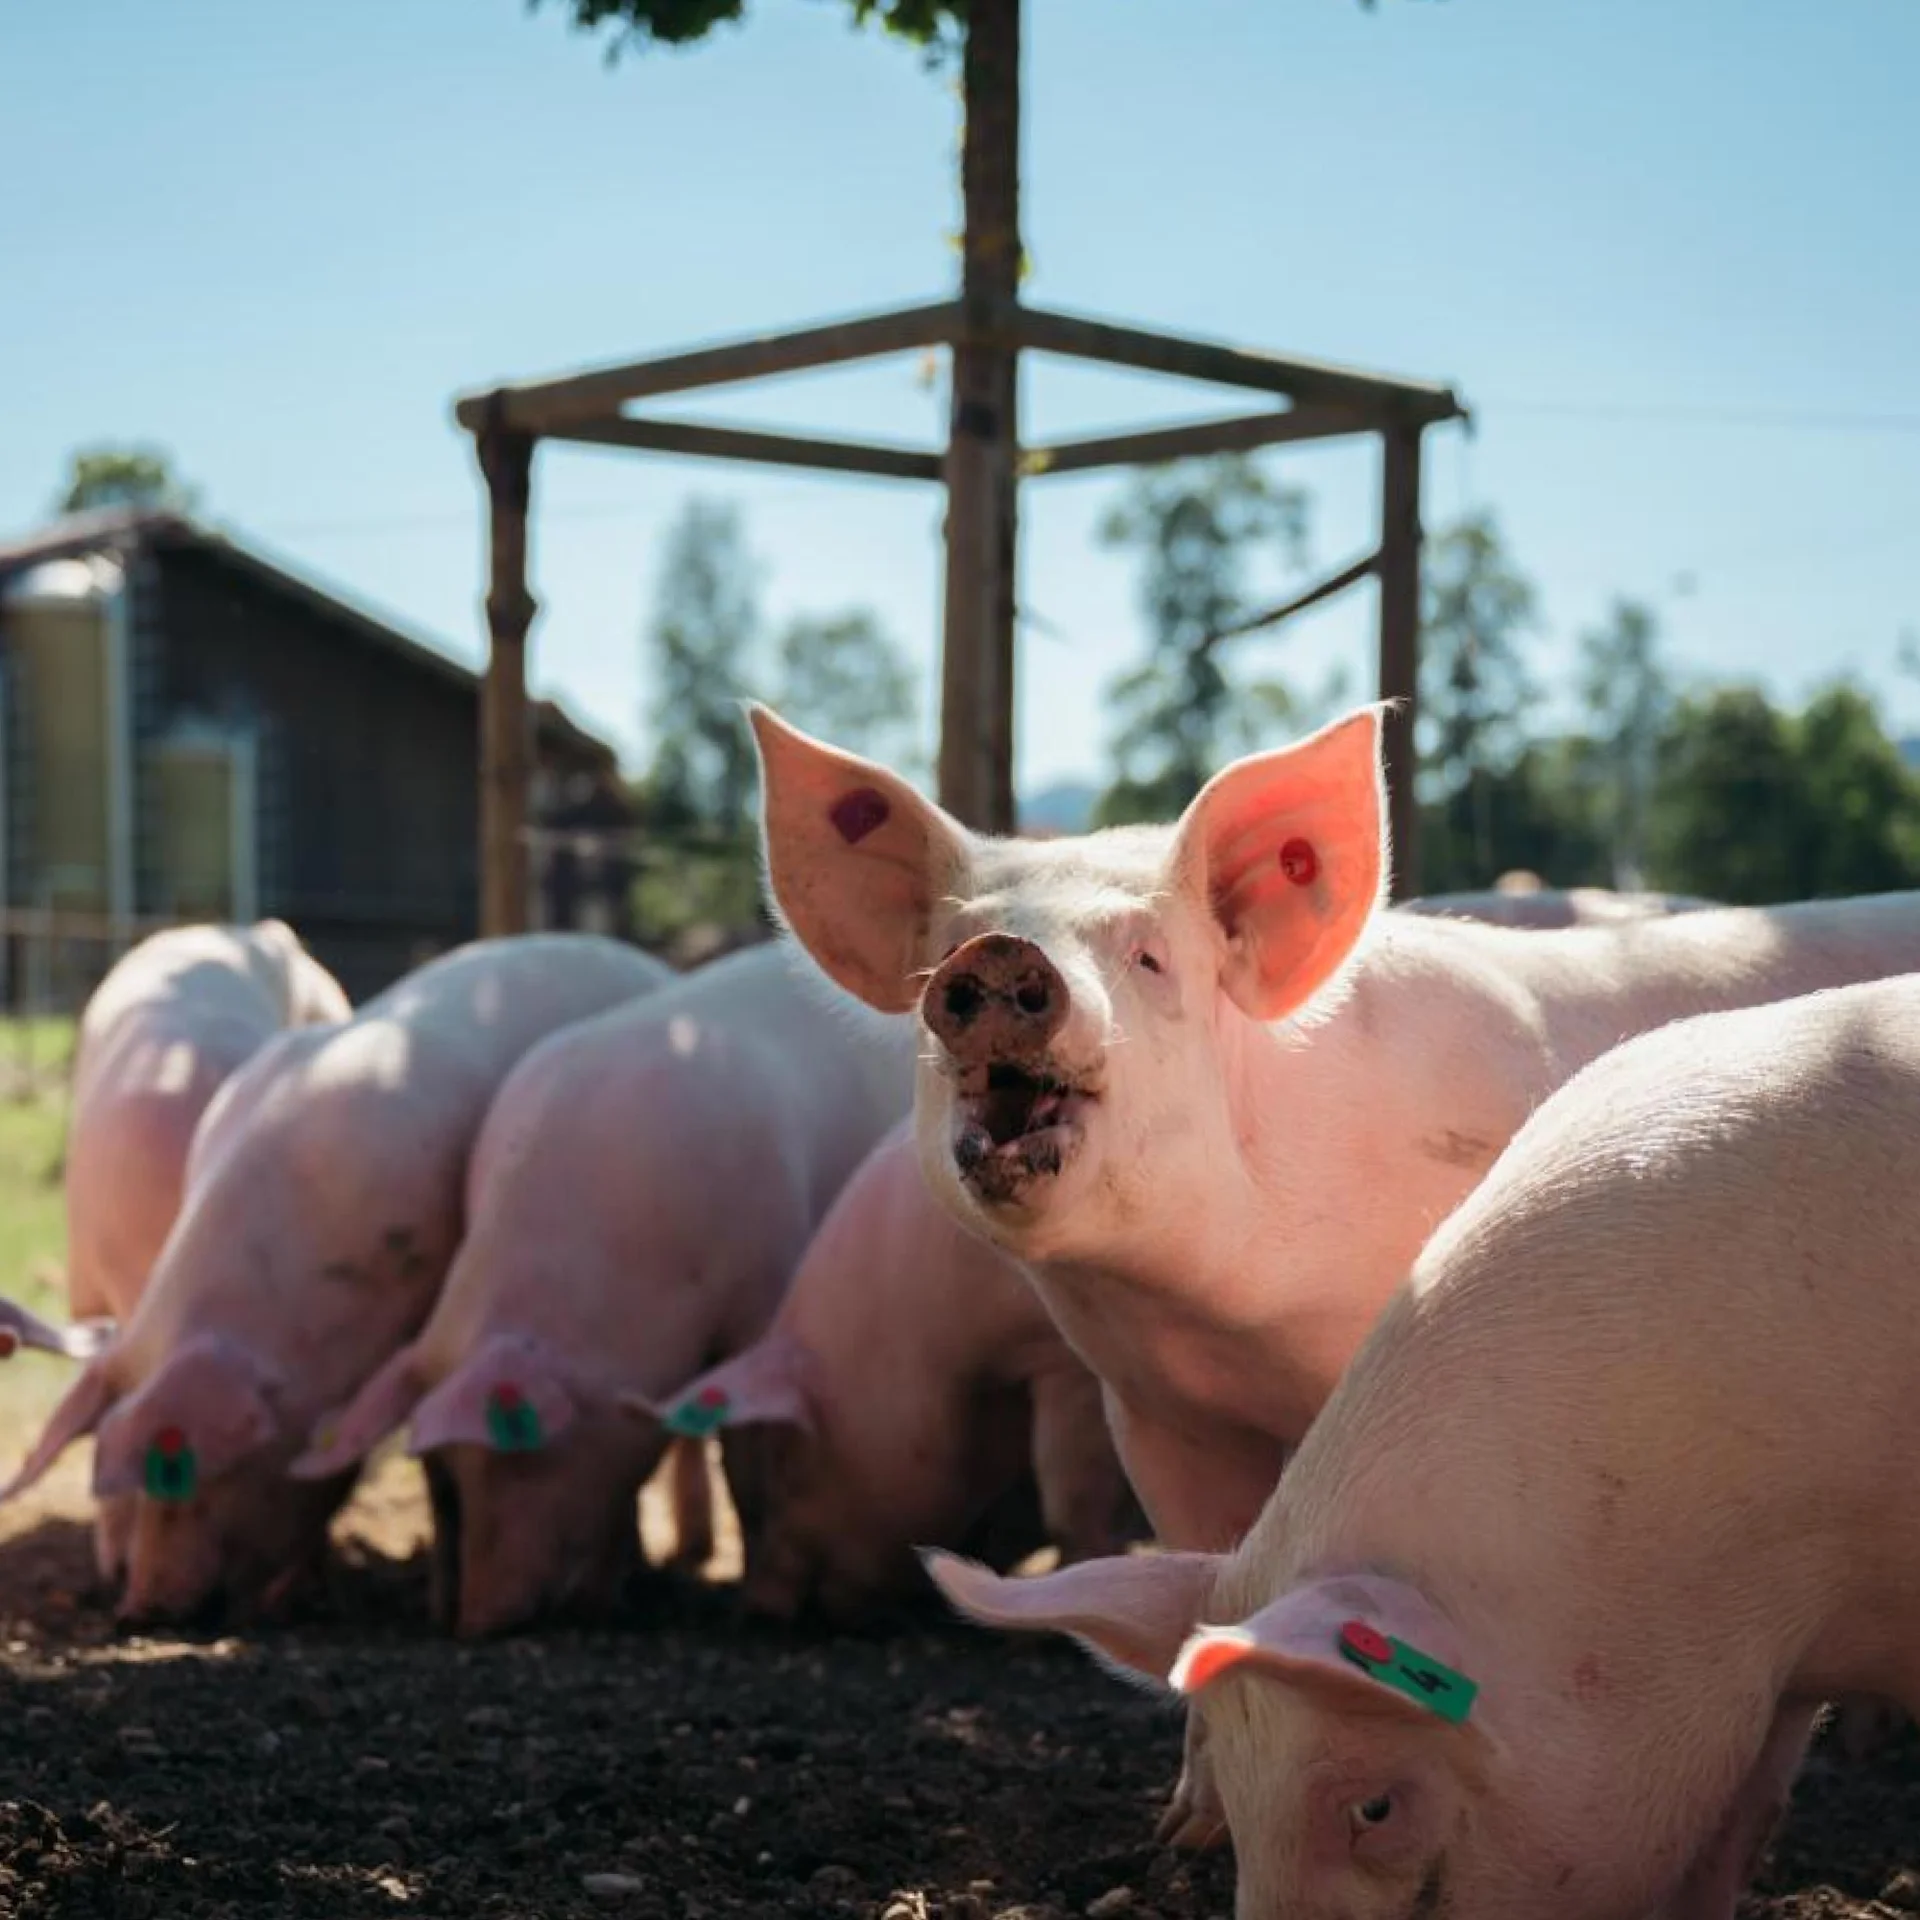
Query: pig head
(534, 1472)
(1079, 998)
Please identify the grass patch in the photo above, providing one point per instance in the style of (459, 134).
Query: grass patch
(33, 1129)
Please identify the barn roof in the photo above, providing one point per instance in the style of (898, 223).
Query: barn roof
(121, 530)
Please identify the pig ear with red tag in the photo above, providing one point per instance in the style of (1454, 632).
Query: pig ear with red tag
(508, 1395)
(343, 1438)
(766, 1385)
(1132, 1611)
(1372, 1644)
(1287, 851)
(202, 1412)
(856, 862)
(77, 1340)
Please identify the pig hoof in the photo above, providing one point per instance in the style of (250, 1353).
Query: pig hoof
(1193, 1821)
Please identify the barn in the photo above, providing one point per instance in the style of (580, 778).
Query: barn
(189, 730)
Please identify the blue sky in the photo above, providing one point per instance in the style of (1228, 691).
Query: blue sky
(1666, 251)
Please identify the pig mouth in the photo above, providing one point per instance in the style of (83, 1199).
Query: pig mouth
(1018, 1125)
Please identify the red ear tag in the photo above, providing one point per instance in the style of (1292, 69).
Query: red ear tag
(1356, 1637)
(1299, 862)
(859, 813)
(170, 1440)
(9, 1343)
(506, 1396)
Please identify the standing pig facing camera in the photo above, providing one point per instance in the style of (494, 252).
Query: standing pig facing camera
(644, 1188)
(910, 1392)
(1540, 1617)
(323, 1208)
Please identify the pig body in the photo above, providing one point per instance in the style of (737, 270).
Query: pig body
(910, 1391)
(644, 1188)
(1538, 906)
(164, 1030)
(322, 1208)
(1618, 1454)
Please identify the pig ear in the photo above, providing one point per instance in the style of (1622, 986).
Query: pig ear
(79, 1412)
(507, 1396)
(77, 1340)
(200, 1414)
(342, 1438)
(1333, 1637)
(1288, 852)
(766, 1385)
(856, 862)
(1132, 1610)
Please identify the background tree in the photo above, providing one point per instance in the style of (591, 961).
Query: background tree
(1475, 689)
(122, 476)
(705, 623)
(842, 678)
(1196, 528)
(1629, 697)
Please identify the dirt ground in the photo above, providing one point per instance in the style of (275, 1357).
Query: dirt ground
(678, 1765)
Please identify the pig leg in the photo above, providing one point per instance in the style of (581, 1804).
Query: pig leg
(1200, 1494)
(443, 1564)
(1195, 1817)
(1720, 1873)
(113, 1537)
(692, 1506)
(1082, 1490)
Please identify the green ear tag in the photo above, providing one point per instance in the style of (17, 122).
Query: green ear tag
(171, 1471)
(705, 1413)
(512, 1424)
(1407, 1670)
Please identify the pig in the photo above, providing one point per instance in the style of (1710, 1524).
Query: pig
(1207, 1091)
(1538, 906)
(910, 1389)
(1539, 1618)
(173, 1018)
(323, 1206)
(641, 1194)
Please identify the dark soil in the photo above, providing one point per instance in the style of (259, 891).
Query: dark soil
(358, 1765)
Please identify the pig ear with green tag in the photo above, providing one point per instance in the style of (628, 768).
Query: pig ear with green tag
(201, 1413)
(766, 1385)
(1374, 1645)
(509, 1395)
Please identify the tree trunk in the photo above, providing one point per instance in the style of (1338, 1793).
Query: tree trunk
(1400, 645)
(983, 449)
(506, 459)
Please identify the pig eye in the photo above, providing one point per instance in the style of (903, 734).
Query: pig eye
(1365, 1815)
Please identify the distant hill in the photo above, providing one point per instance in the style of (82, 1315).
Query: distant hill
(1064, 807)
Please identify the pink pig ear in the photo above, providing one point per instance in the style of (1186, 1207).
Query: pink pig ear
(507, 1395)
(856, 861)
(1288, 850)
(206, 1406)
(1132, 1610)
(1335, 1637)
(77, 1340)
(348, 1435)
(765, 1385)
(80, 1411)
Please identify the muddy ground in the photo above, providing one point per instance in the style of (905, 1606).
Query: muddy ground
(676, 1766)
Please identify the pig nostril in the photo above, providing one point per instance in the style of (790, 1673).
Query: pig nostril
(1034, 997)
(963, 999)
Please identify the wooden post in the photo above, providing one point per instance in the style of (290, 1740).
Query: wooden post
(983, 449)
(506, 459)
(1400, 643)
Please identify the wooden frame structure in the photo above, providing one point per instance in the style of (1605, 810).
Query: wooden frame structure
(986, 330)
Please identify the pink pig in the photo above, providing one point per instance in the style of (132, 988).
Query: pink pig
(643, 1190)
(1538, 906)
(323, 1206)
(910, 1392)
(1625, 1455)
(1207, 1091)
(170, 1022)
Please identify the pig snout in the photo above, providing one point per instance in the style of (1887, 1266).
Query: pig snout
(998, 997)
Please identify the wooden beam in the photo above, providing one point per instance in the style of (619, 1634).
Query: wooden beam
(983, 447)
(1348, 576)
(1153, 446)
(742, 443)
(1382, 399)
(506, 459)
(1400, 647)
(536, 406)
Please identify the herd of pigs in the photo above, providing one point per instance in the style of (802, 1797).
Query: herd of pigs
(1062, 1193)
